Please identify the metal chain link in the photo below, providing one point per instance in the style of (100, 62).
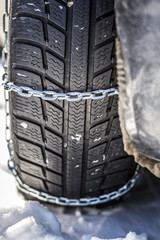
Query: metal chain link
(4, 64)
(51, 95)
(71, 202)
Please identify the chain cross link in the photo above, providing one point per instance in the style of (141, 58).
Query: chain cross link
(52, 95)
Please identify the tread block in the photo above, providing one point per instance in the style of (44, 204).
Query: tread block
(27, 107)
(53, 142)
(29, 28)
(111, 189)
(27, 130)
(54, 189)
(74, 166)
(113, 77)
(29, 151)
(95, 172)
(119, 165)
(26, 78)
(54, 162)
(34, 182)
(115, 129)
(116, 179)
(96, 156)
(93, 186)
(27, 55)
(32, 169)
(57, 13)
(76, 117)
(102, 57)
(56, 40)
(55, 117)
(53, 177)
(116, 149)
(55, 68)
(73, 190)
(53, 87)
(30, 6)
(104, 29)
(102, 81)
(98, 134)
(99, 110)
(114, 107)
(104, 108)
(104, 7)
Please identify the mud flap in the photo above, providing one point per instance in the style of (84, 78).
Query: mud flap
(138, 65)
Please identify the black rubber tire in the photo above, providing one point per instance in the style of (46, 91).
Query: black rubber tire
(70, 149)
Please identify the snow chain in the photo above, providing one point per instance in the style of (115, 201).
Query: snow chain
(51, 96)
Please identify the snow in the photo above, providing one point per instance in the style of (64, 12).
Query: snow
(24, 125)
(32, 221)
(137, 217)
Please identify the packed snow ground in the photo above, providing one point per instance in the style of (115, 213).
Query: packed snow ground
(137, 217)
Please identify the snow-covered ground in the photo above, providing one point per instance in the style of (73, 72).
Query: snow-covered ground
(137, 217)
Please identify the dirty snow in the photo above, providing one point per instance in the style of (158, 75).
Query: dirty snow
(137, 217)
(138, 30)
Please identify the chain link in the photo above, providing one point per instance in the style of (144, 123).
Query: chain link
(4, 76)
(71, 202)
(51, 95)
